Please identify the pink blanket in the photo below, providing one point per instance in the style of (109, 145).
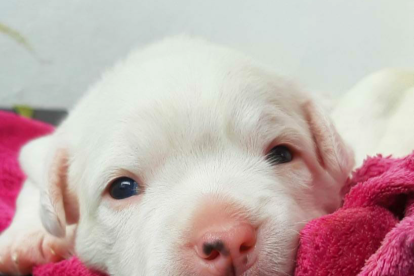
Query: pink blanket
(372, 234)
(14, 132)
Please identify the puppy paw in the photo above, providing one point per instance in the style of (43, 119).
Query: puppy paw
(21, 250)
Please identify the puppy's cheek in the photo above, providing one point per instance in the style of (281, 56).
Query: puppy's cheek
(121, 204)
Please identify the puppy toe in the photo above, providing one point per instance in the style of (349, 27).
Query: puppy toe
(21, 253)
(55, 249)
(9, 264)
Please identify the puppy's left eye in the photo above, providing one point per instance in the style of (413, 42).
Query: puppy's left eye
(124, 187)
(279, 155)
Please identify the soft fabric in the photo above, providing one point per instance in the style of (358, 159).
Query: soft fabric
(71, 267)
(14, 132)
(375, 115)
(373, 233)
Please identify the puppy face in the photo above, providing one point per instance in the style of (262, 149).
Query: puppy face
(190, 159)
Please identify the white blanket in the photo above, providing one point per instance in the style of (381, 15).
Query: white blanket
(377, 115)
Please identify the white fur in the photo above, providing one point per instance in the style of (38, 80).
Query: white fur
(188, 119)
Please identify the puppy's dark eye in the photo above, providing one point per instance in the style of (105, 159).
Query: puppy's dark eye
(279, 155)
(124, 187)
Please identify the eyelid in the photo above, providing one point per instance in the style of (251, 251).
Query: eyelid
(277, 142)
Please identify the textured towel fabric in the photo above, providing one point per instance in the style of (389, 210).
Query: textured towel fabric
(71, 267)
(373, 233)
(14, 132)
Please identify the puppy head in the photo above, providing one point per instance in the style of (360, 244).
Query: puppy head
(192, 159)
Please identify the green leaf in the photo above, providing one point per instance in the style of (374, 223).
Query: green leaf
(24, 110)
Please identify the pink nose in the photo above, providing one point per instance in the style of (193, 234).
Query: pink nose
(228, 252)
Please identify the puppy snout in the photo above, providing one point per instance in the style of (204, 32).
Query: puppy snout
(224, 244)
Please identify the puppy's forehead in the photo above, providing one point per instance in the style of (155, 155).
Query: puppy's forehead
(184, 100)
(238, 108)
(202, 93)
(208, 87)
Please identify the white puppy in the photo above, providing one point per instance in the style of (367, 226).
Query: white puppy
(185, 159)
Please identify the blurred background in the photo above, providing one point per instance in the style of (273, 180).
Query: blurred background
(51, 51)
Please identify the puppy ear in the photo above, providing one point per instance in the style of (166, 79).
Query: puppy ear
(45, 163)
(333, 154)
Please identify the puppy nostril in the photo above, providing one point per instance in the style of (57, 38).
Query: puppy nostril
(245, 247)
(212, 256)
(213, 250)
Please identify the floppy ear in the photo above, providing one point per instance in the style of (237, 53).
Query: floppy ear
(333, 154)
(45, 163)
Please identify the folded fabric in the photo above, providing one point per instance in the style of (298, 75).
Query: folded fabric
(15, 131)
(373, 233)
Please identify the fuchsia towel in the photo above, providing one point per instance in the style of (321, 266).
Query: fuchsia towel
(373, 233)
(14, 132)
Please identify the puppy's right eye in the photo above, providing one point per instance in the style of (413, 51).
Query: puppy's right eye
(124, 187)
(279, 155)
